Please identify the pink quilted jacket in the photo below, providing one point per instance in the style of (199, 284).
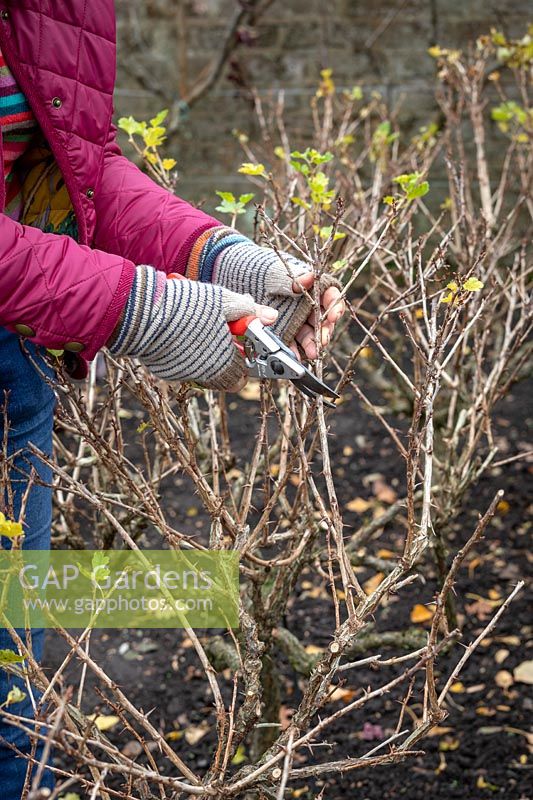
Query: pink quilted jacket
(54, 290)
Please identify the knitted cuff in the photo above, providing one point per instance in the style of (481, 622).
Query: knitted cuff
(179, 330)
(209, 245)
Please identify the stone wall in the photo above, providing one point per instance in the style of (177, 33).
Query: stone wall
(379, 44)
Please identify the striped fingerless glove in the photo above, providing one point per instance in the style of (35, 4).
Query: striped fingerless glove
(225, 257)
(178, 329)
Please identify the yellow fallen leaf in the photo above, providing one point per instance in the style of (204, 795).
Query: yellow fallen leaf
(483, 711)
(439, 730)
(420, 613)
(299, 792)
(240, 755)
(174, 736)
(494, 594)
(503, 507)
(359, 505)
(504, 679)
(372, 583)
(524, 672)
(346, 695)
(457, 687)
(384, 553)
(104, 722)
(347, 451)
(448, 745)
(313, 649)
(481, 783)
(365, 352)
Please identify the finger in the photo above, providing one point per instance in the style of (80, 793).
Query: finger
(306, 337)
(266, 314)
(305, 280)
(294, 348)
(331, 302)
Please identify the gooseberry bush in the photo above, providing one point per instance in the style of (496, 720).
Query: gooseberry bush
(436, 287)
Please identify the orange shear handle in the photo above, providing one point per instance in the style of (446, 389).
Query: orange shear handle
(239, 326)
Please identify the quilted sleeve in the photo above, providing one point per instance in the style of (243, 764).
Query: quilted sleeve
(57, 292)
(139, 220)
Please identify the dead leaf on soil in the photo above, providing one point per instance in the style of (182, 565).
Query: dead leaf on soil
(501, 655)
(194, 733)
(104, 722)
(484, 711)
(338, 694)
(523, 673)
(384, 492)
(458, 687)
(313, 649)
(439, 730)
(504, 679)
(420, 613)
(359, 505)
(372, 583)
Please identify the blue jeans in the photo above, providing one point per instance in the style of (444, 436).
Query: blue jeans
(30, 417)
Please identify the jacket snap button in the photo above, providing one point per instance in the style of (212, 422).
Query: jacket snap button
(90, 193)
(4, 14)
(57, 102)
(24, 330)
(74, 347)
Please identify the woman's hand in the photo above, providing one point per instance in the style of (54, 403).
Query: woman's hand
(332, 307)
(178, 328)
(285, 283)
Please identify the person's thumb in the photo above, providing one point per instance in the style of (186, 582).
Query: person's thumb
(237, 305)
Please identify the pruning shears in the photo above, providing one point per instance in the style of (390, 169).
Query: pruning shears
(266, 356)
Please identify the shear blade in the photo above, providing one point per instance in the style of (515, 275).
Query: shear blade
(311, 386)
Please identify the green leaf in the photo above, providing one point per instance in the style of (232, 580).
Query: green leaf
(299, 202)
(252, 169)
(154, 137)
(10, 657)
(15, 695)
(228, 197)
(159, 118)
(129, 125)
(472, 285)
(245, 198)
(418, 191)
(100, 570)
(240, 756)
(338, 265)
(302, 168)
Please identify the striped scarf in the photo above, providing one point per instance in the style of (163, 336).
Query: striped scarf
(18, 126)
